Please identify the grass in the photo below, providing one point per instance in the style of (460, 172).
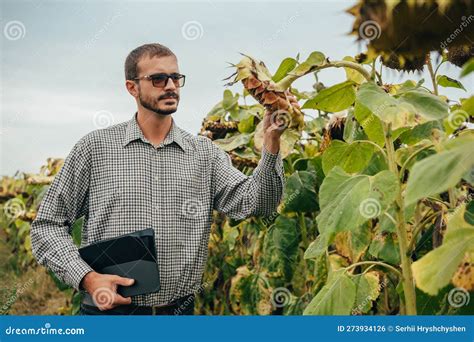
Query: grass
(30, 292)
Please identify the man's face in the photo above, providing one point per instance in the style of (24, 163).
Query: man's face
(163, 100)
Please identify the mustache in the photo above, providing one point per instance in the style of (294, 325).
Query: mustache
(169, 95)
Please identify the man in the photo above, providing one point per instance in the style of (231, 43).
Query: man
(149, 173)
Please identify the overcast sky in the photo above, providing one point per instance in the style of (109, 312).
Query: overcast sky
(62, 62)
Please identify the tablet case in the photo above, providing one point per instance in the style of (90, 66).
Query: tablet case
(132, 256)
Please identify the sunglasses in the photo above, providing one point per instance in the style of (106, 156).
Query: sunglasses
(161, 80)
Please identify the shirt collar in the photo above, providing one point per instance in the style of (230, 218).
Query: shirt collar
(133, 132)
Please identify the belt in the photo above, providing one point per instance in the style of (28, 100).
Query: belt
(181, 306)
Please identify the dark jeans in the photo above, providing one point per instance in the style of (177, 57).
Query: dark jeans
(182, 306)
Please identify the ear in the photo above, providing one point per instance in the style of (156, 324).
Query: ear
(132, 88)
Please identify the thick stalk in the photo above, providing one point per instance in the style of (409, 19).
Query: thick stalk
(408, 282)
(432, 75)
(304, 231)
(452, 198)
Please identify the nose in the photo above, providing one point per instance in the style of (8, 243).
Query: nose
(169, 85)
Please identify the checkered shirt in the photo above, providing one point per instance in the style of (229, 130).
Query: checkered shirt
(120, 182)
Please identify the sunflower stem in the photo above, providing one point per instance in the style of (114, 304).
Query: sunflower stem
(375, 263)
(408, 282)
(432, 75)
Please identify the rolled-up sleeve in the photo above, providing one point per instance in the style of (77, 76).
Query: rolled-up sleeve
(65, 201)
(240, 196)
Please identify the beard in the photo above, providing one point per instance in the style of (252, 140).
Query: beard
(154, 105)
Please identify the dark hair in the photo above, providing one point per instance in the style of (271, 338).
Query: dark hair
(152, 50)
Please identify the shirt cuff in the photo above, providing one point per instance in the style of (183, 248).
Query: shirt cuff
(76, 270)
(274, 162)
(269, 158)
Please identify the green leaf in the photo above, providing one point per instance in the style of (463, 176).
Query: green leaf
(371, 123)
(426, 104)
(467, 68)
(428, 130)
(384, 247)
(351, 158)
(77, 231)
(441, 171)
(403, 153)
(459, 219)
(468, 105)
(246, 125)
(359, 241)
(368, 290)
(431, 305)
(216, 112)
(316, 58)
(335, 298)
(229, 100)
(300, 192)
(469, 213)
(230, 235)
(448, 82)
(286, 66)
(435, 270)
(374, 99)
(351, 74)
(353, 130)
(315, 126)
(317, 247)
(321, 269)
(377, 164)
(285, 235)
(288, 140)
(347, 201)
(231, 143)
(333, 99)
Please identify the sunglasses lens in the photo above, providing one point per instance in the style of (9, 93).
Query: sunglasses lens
(161, 81)
(178, 80)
